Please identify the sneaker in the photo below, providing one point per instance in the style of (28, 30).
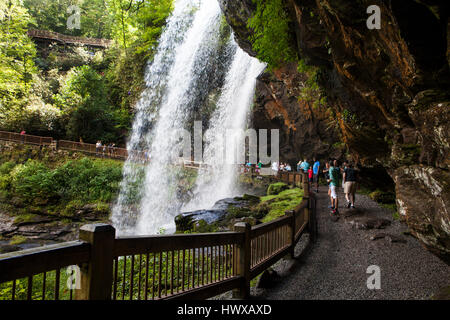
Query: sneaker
(353, 207)
(336, 212)
(348, 204)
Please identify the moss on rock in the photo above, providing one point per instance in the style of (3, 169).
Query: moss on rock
(276, 188)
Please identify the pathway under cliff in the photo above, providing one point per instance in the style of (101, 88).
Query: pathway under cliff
(335, 266)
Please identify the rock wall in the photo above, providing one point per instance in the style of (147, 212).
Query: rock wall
(387, 91)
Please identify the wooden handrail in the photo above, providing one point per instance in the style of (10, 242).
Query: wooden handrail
(50, 35)
(180, 266)
(28, 262)
(139, 245)
(269, 226)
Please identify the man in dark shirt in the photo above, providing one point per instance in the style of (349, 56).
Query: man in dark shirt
(350, 185)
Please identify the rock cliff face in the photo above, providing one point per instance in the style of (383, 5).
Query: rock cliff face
(387, 94)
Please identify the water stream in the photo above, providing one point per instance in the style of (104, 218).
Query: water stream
(192, 58)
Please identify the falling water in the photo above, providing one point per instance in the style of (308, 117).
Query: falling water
(218, 180)
(186, 67)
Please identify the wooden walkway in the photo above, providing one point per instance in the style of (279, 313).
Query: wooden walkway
(89, 148)
(65, 39)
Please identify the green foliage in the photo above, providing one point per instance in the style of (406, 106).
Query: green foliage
(382, 197)
(83, 101)
(17, 240)
(276, 188)
(50, 278)
(33, 180)
(67, 186)
(271, 37)
(311, 91)
(77, 92)
(16, 57)
(279, 204)
(52, 15)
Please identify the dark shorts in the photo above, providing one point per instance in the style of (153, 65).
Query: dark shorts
(316, 178)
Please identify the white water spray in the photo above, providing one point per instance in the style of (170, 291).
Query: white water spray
(218, 180)
(189, 45)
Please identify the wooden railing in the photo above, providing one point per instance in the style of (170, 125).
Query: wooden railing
(25, 138)
(180, 266)
(103, 151)
(89, 148)
(50, 35)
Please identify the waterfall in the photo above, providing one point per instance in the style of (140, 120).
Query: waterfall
(190, 60)
(218, 180)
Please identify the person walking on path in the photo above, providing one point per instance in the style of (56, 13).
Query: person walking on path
(316, 168)
(334, 182)
(349, 178)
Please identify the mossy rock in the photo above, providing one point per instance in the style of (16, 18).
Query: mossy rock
(260, 210)
(382, 196)
(276, 188)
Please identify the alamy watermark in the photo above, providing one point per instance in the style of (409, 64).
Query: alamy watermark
(74, 279)
(374, 20)
(374, 280)
(74, 20)
(231, 146)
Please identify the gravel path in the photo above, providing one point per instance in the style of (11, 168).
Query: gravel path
(335, 266)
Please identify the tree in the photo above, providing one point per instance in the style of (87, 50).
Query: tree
(86, 109)
(16, 56)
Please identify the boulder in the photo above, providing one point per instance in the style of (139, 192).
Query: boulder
(276, 188)
(268, 279)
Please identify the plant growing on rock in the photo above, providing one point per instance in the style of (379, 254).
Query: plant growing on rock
(272, 39)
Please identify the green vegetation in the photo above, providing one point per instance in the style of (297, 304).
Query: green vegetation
(76, 92)
(22, 285)
(17, 240)
(271, 37)
(278, 204)
(276, 188)
(311, 91)
(60, 190)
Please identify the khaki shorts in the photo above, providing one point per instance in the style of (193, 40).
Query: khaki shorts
(350, 187)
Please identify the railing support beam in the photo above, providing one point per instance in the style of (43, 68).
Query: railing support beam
(97, 275)
(243, 261)
(291, 215)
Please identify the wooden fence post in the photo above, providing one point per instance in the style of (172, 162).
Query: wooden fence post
(97, 274)
(312, 222)
(243, 261)
(291, 214)
(305, 186)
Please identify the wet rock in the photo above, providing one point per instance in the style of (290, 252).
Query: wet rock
(387, 95)
(423, 200)
(369, 223)
(35, 220)
(390, 237)
(237, 14)
(9, 248)
(186, 221)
